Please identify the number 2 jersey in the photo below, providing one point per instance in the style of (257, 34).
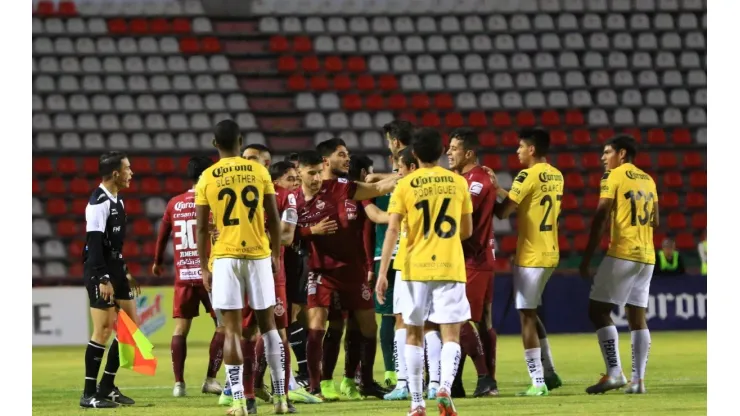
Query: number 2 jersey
(179, 221)
(235, 189)
(538, 191)
(634, 194)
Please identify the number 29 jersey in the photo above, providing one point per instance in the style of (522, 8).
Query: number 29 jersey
(538, 191)
(235, 189)
(634, 194)
(433, 200)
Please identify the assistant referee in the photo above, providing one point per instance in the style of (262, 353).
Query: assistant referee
(108, 283)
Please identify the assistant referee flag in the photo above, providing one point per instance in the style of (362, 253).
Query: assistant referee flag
(134, 349)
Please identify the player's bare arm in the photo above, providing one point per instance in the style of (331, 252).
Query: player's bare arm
(287, 233)
(373, 190)
(202, 214)
(377, 177)
(505, 208)
(274, 229)
(466, 226)
(655, 216)
(376, 215)
(391, 237)
(163, 236)
(594, 237)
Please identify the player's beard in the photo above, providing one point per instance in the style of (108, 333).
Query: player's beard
(339, 173)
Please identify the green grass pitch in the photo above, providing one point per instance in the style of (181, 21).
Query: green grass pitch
(676, 382)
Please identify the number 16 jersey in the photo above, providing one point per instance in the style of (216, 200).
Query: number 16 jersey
(538, 191)
(235, 189)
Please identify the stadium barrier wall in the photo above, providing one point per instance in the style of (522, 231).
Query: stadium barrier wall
(60, 316)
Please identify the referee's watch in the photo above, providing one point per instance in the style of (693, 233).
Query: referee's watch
(104, 279)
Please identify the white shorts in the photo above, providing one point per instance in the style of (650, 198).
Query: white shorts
(233, 277)
(437, 302)
(529, 283)
(400, 293)
(622, 282)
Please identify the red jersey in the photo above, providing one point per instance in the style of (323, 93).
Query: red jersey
(285, 202)
(179, 220)
(478, 249)
(343, 248)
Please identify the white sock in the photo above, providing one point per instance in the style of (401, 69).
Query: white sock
(434, 355)
(399, 353)
(640, 352)
(235, 374)
(533, 358)
(450, 362)
(275, 355)
(292, 384)
(547, 363)
(415, 366)
(609, 343)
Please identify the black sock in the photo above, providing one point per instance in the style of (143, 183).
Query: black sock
(93, 359)
(297, 336)
(111, 366)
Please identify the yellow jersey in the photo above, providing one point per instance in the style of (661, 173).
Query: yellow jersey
(402, 243)
(433, 200)
(634, 194)
(538, 191)
(235, 188)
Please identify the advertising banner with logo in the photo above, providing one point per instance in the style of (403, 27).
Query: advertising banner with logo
(59, 316)
(675, 303)
(155, 318)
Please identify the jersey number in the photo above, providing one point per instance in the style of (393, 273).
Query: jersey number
(547, 200)
(185, 234)
(252, 204)
(634, 197)
(442, 218)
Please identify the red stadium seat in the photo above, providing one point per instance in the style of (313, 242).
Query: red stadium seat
(287, 63)
(581, 137)
(558, 138)
(514, 164)
(90, 166)
(333, 64)
(79, 205)
(693, 200)
(591, 161)
(445, 139)
(656, 136)
(69, 228)
(164, 165)
(181, 26)
(55, 186)
(681, 136)
(493, 162)
(501, 119)
(159, 26)
(302, 44)
(80, 186)
(151, 185)
(388, 82)
(676, 221)
(137, 269)
(356, 64)
(134, 206)
(67, 8)
(139, 26)
(375, 102)
(278, 44)
(352, 102)
(410, 117)
(131, 251)
(604, 135)
(342, 82)
(174, 185)
(574, 180)
(55, 207)
(643, 161)
(211, 45)
(669, 200)
(141, 165)
(75, 249)
(365, 82)
(698, 180)
(488, 139)
(580, 242)
(45, 8)
(189, 45)
(319, 83)
(699, 221)
(566, 161)
(591, 201)
(148, 249)
(594, 180)
(510, 138)
(443, 101)
(575, 223)
(454, 120)
(142, 227)
(75, 270)
(117, 26)
(574, 118)
(636, 133)
(43, 166)
(563, 244)
(508, 244)
(397, 102)
(692, 160)
(658, 239)
(673, 180)
(36, 186)
(431, 120)
(569, 202)
(296, 83)
(310, 63)
(667, 160)
(526, 119)
(550, 118)
(478, 119)
(685, 241)
(420, 101)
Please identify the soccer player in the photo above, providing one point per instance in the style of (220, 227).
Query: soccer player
(236, 190)
(258, 153)
(179, 220)
(478, 251)
(630, 197)
(438, 209)
(338, 279)
(535, 196)
(293, 159)
(107, 280)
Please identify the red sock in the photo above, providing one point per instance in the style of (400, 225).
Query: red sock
(332, 346)
(352, 350)
(216, 354)
(472, 346)
(179, 350)
(491, 351)
(314, 353)
(260, 364)
(368, 350)
(248, 352)
(286, 347)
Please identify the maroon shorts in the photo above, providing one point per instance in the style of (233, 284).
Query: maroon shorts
(479, 289)
(346, 289)
(282, 318)
(187, 300)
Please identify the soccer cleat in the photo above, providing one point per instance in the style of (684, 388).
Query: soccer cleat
(329, 391)
(457, 391)
(238, 408)
(486, 386)
(399, 393)
(262, 394)
(418, 411)
(607, 383)
(114, 395)
(280, 402)
(251, 406)
(302, 380)
(179, 390)
(637, 387)
(444, 403)
(348, 388)
(225, 399)
(553, 381)
(535, 391)
(93, 402)
(303, 396)
(291, 408)
(391, 379)
(211, 386)
(432, 393)
(373, 390)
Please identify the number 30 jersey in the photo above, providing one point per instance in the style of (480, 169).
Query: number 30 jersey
(235, 189)
(433, 200)
(634, 194)
(538, 192)
(179, 220)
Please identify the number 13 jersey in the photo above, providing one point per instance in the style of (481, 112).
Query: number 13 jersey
(538, 192)
(235, 188)
(432, 200)
(634, 195)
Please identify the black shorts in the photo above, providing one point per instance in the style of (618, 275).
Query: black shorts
(296, 276)
(121, 289)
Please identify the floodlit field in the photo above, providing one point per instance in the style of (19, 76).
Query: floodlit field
(676, 382)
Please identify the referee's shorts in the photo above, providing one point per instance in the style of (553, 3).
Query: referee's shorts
(121, 288)
(296, 276)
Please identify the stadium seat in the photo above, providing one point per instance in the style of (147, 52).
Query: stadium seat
(566, 161)
(574, 180)
(667, 160)
(669, 200)
(692, 160)
(699, 221)
(685, 241)
(694, 200)
(698, 180)
(558, 138)
(676, 221)
(142, 228)
(674, 180)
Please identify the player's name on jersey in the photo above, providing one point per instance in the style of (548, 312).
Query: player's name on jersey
(419, 184)
(222, 181)
(551, 182)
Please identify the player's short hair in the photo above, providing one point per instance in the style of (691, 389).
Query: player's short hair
(227, 134)
(258, 147)
(427, 145)
(356, 164)
(327, 147)
(623, 141)
(310, 158)
(197, 165)
(293, 157)
(110, 162)
(400, 130)
(468, 137)
(537, 137)
(406, 156)
(278, 169)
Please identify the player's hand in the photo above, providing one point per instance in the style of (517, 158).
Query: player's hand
(106, 291)
(370, 277)
(492, 176)
(275, 263)
(585, 270)
(207, 277)
(133, 284)
(325, 227)
(380, 287)
(214, 232)
(156, 269)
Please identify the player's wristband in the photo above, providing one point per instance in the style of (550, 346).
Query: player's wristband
(104, 279)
